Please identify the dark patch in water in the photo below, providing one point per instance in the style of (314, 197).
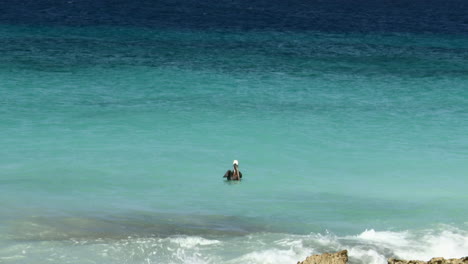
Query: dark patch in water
(43, 228)
(448, 17)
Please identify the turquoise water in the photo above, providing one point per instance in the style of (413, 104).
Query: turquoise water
(114, 141)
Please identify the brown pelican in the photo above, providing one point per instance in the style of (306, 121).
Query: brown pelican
(234, 175)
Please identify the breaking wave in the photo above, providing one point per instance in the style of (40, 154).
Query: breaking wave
(369, 247)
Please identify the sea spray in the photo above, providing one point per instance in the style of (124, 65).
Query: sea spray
(368, 247)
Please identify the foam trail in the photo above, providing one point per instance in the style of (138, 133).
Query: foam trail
(447, 242)
(368, 247)
(288, 250)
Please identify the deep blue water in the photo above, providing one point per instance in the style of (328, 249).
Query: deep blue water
(440, 17)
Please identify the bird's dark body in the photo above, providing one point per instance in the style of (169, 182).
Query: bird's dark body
(232, 176)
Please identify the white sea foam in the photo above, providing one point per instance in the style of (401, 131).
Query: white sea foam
(192, 241)
(444, 242)
(368, 247)
(368, 256)
(375, 247)
(286, 250)
(270, 256)
(385, 237)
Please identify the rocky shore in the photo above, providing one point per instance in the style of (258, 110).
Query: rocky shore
(463, 260)
(327, 258)
(342, 258)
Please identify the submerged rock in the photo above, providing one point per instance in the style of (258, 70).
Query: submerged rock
(432, 261)
(327, 258)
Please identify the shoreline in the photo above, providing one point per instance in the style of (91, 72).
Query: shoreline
(341, 257)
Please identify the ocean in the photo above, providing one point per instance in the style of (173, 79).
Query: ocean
(118, 120)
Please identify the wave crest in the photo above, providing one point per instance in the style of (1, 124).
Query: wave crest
(369, 247)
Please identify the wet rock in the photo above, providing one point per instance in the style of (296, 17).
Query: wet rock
(327, 258)
(432, 261)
